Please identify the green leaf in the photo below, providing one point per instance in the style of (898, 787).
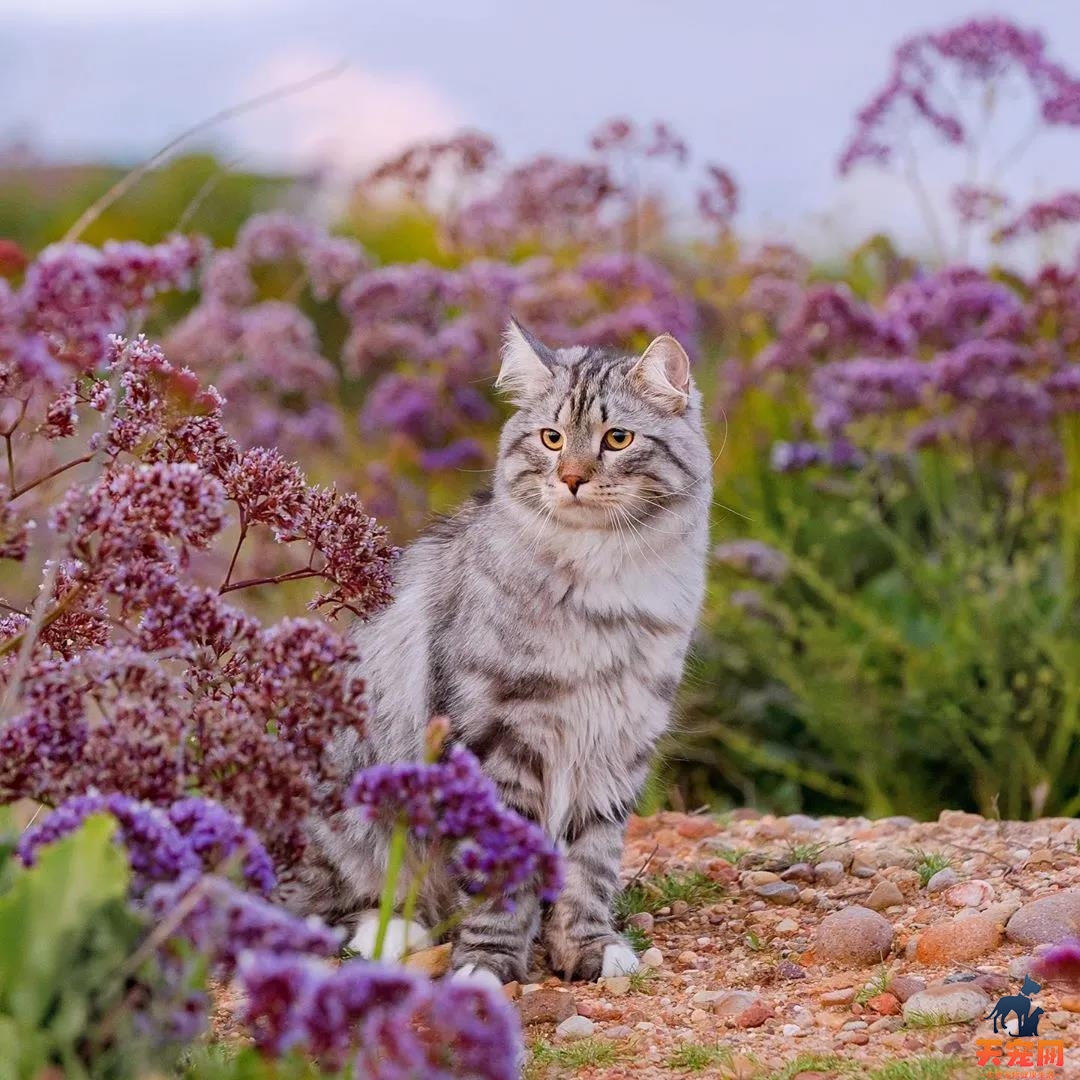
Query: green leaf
(48, 910)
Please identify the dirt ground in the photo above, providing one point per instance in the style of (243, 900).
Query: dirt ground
(771, 964)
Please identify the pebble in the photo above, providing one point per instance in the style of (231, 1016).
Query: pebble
(707, 997)
(885, 895)
(753, 879)
(787, 926)
(642, 920)
(788, 969)
(679, 908)
(862, 867)
(829, 872)
(652, 958)
(969, 894)
(790, 1030)
(960, 939)
(960, 819)
(884, 1004)
(941, 881)
(754, 1015)
(1046, 921)
(854, 935)
(956, 1002)
(616, 985)
(1071, 1003)
(687, 959)
(838, 997)
(778, 892)
(734, 1002)
(903, 986)
(575, 1027)
(855, 1038)
(619, 1031)
(799, 871)
(546, 1006)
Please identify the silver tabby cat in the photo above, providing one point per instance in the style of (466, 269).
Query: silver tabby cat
(549, 619)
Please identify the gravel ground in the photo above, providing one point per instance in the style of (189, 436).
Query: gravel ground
(818, 948)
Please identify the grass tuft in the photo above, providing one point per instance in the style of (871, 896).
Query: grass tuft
(582, 1054)
(693, 1057)
(877, 985)
(639, 940)
(653, 893)
(928, 863)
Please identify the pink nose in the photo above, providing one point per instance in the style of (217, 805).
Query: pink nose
(573, 482)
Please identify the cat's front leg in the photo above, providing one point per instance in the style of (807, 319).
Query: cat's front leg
(496, 943)
(579, 931)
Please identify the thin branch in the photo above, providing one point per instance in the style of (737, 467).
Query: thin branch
(129, 180)
(16, 492)
(293, 575)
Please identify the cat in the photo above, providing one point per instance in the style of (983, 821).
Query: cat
(549, 619)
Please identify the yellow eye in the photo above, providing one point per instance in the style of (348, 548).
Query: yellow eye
(617, 438)
(551, 438)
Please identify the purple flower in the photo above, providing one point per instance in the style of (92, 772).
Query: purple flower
(493, 850)
(391, 1024)
(752, 558)
(1061, 964)
(163, 845)
(457, 455)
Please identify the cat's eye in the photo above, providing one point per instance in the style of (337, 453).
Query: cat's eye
(617, 438)
(551, 438)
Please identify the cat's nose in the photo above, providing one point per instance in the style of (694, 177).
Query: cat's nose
(573, 481)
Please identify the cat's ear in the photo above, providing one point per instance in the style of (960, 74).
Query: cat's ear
(663, 374)
(526, 364)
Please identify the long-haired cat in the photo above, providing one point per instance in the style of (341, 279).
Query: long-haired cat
(548, 619)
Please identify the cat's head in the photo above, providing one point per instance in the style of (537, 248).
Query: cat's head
(600, 439)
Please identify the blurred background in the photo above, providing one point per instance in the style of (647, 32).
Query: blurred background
(862, 219)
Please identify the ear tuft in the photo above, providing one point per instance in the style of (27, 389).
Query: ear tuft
(663, 373)
(526, 364)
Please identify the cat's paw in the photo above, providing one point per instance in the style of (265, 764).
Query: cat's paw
(602, 958)
(401, 937)
(479, 976)
(619, 959)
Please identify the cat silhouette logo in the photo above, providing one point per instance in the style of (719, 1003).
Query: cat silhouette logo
(1027, 1019)
(1017, 1044)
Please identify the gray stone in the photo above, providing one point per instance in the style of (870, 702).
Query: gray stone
(778, 892)
(829, 872)
(885, 895)
(957, 1002)
(575, 1027)
(941, 881)
(1046, 921)
(854, 935)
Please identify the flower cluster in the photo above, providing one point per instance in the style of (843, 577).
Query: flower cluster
(191, 835)
(928, 68)
(387, 1022)
(493, 851)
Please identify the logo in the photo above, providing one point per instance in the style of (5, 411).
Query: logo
(1017, 1047)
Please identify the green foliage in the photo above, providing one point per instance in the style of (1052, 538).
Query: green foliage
(653, 893)
(639, 940)
(219, 1061)
(546, 1059)
(928, 863)
(66, 939)
(922, 650)
(877, 985)
(693, 1057)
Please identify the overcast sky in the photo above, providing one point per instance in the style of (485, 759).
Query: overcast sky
(766, 87)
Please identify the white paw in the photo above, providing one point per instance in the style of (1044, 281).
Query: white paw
(401, 936)
(481, 976)
(619, 959)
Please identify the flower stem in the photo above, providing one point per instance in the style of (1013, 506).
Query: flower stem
(399, 839)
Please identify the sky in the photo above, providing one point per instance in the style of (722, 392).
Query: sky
(767, 88)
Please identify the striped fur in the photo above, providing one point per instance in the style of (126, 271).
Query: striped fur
(551, 628)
